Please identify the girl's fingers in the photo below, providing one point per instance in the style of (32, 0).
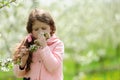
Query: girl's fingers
(23, 54)
(22, 43)
(23, 51)
(18, 56)
(23, 48)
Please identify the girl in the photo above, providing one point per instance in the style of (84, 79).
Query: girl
(43, 62)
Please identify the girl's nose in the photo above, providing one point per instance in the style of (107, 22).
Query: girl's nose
(40, 31)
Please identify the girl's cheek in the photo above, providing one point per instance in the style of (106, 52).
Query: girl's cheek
(34, 34)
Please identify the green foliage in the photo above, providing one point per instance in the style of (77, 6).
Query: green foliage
(7, 76)
(6, 64)
(5, 3)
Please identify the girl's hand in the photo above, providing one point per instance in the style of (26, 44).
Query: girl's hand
(24, 53)
(41, 40)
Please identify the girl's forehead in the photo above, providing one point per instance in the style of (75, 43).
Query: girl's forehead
(36, 22)
(39, 24)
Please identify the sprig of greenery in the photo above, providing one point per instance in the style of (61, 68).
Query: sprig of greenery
(33, 47)
(36, 44)
(4, 3)
(6, 64)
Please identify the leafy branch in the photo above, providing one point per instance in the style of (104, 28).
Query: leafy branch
(6, 64)
(4, 3)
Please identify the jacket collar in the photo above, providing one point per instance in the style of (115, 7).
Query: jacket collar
(52, 39)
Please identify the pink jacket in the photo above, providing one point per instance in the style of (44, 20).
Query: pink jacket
(47, 63)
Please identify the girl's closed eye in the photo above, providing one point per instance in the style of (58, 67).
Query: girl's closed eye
(43, 28)
(36, 29)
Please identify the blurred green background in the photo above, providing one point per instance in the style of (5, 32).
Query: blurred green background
(90, 30)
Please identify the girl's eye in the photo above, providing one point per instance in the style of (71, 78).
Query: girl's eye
(43, 28)
(36, 29)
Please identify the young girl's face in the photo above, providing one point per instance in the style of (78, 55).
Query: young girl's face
(40, 28)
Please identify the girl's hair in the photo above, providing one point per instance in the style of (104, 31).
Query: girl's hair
(42, 16)
(29, 60)
(26, 43)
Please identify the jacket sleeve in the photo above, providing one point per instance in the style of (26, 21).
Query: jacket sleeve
(52, 60)
(18, 72)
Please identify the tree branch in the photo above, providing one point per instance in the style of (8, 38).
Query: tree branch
(6, 4)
